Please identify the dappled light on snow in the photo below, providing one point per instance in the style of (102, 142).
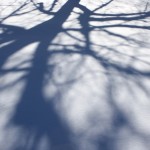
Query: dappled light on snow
(74, 75)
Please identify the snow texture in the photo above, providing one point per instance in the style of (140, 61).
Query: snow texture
(74, 75)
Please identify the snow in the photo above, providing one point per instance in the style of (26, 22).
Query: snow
(83, 84)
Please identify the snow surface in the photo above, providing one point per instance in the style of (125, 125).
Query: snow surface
(75, 79)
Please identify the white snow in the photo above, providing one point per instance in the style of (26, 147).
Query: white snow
(102, 96)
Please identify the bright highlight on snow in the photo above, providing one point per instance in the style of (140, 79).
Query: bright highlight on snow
(74, 75)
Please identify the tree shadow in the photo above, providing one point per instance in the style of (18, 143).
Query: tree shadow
(36, 114)
(33, 113)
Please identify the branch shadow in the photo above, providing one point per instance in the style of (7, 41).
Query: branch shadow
(36, 114)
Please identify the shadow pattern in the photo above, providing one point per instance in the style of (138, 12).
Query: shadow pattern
(34, 112)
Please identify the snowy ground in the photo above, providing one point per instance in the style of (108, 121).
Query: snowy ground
(74, 75)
